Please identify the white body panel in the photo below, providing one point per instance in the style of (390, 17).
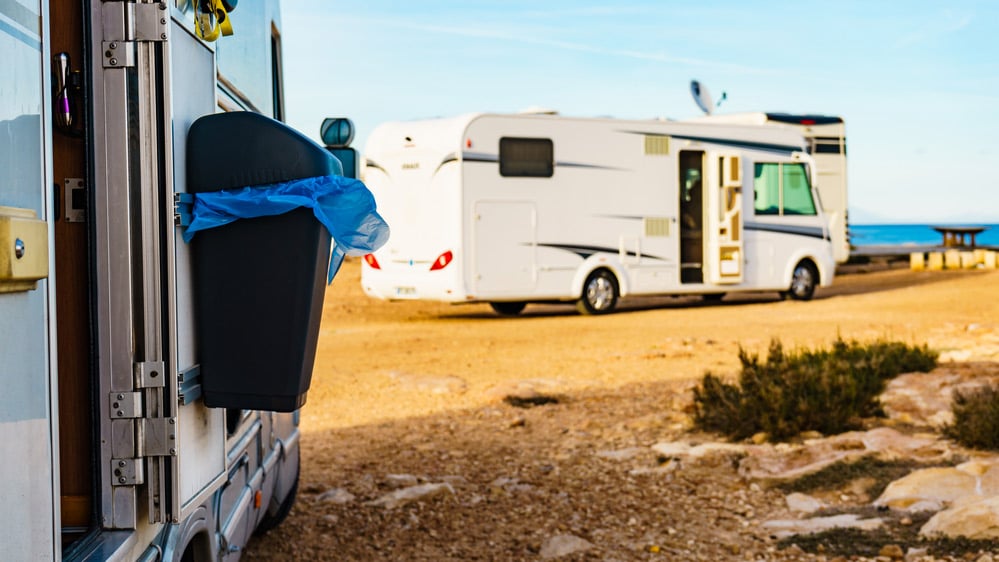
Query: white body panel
(612, 201)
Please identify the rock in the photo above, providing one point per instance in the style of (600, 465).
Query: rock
(680, 449)
(788, 527)
(978, 520)
(336, 495)
(892, 551)
(622, 454)
(401, 480)
(803, 503)
(914, 554)
(563, 545)
(785, 462)
(412, 493)
(942, 484)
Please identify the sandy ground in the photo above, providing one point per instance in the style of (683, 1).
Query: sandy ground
(416, 388)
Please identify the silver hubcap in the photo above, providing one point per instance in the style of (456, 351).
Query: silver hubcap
(801, 282)
(600, 293)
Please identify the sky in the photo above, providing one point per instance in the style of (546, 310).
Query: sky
(917, 82)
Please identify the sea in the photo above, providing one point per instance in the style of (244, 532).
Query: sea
(914, 234)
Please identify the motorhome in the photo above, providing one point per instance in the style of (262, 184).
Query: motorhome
(112, 452)
(825, 136)
(525, 208)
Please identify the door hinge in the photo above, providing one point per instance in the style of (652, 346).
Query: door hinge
(127, 23)
(149, 374)
(157, 437)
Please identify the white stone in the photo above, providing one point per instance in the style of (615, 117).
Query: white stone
(412, 493)
(622, 454)
(336, 495)
(803, 503)
(788, 527)
(978, 520)
(563, 545)
(941, 484)
(672, 448)
(401, 480)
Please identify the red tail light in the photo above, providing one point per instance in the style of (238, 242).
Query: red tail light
(442, 261)
(371, 261)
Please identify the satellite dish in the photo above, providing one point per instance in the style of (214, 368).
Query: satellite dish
(701, 96)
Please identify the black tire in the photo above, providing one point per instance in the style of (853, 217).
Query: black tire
(713, 297)
(272, 520)
(803, 282)
(508, 308)
(600, 293)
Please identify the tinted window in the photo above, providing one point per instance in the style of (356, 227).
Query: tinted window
(766, 189)
(797, 191)
(782, 189)
(519, 157)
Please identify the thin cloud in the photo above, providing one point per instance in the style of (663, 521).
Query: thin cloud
(480, 33)
(935, 29)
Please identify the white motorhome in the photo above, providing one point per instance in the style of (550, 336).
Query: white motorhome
(825, 136)
(110, 451)
(512, 209)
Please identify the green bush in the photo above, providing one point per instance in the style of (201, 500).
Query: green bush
(976, 418)
(828, 391)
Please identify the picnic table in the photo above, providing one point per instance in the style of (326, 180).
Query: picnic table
(954, 236)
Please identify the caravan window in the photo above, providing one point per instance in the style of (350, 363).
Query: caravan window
(782, 189)
(520, 157)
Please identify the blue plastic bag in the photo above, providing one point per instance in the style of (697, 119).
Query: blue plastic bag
(343, 205)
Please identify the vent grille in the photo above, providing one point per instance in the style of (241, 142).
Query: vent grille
(656, 145)
(656, 226)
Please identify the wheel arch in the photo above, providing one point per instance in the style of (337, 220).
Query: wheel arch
(593, 263)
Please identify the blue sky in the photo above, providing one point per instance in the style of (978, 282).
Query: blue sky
(917, 82)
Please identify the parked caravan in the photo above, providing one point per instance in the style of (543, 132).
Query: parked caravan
(825, 136)
(110, 451)
(514, 209)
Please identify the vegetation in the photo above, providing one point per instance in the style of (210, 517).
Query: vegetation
(976, 418)
(826, 390)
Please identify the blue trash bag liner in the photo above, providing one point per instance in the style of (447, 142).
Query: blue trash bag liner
(343, 205)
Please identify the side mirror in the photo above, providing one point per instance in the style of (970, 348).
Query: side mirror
(337, 133)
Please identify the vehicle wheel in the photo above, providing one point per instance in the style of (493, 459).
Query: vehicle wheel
(508, 308)
(600, 293)
(272, 520)
(713, 297)
(803, 282)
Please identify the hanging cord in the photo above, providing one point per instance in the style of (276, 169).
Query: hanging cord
(211, 19)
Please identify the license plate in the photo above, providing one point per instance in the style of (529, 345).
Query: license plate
(405, 291)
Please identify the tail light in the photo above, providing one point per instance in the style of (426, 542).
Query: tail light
(371, 261)
(442, 261)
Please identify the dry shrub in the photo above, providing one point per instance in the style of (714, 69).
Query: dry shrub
(826, 390)
(976, 418)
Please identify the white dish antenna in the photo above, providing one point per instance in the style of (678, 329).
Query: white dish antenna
(703, 97)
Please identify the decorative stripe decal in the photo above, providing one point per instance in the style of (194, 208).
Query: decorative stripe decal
(768, 147)
(810, 231)
(369, 163)
(481, 157)
(453, 157)
(587, 251)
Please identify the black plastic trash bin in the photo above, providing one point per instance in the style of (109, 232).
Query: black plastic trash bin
(258, 282)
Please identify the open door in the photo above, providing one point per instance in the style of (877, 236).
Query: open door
(724, 226)
(691, 181)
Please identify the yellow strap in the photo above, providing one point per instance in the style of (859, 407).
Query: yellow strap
(209, 25)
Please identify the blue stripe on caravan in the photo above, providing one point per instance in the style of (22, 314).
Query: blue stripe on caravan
(810, 231)
(24, 17)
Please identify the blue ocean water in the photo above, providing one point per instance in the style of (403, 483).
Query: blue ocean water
(913, 234)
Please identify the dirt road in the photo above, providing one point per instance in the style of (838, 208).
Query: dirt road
(415, 389)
